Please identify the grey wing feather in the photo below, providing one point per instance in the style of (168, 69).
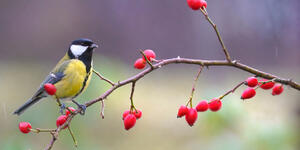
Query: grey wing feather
(51, 78)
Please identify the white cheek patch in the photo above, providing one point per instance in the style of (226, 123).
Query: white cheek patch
(77, 50)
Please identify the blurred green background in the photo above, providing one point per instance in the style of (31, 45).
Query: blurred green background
(35, 34)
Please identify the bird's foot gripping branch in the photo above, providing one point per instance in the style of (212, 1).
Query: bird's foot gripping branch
(259, 80)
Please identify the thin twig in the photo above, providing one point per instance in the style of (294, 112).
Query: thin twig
(218, 34)
(232, 90)
(194, 86)
(103, 78)
(72, 135)
(131, 97)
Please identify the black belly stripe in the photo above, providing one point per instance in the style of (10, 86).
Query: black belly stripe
(84, 84)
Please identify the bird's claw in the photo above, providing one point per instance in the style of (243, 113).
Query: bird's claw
(62, 108)
(81, 106)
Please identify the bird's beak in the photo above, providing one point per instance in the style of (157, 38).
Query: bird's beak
(94, 46)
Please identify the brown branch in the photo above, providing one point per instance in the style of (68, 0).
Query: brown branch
(178, 60)
(204, 12)
(103, 78)
(50, 145)
(161, 63)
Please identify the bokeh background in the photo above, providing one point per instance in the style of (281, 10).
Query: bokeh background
(264, 34)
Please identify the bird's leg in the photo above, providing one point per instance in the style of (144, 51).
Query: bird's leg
(81, 106)
(61, 105)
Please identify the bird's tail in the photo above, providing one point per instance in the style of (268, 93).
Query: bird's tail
(29, 103)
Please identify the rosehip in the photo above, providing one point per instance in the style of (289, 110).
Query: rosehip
(248, 93)
(24, 127)
(191, 116)
(125, 113)
(194, 4)
(215, 104)
(140, 63)
(277, 89)
(137, 114)
(129, 121)
(61, 120)
(149, 54)
(203, 3)
(68, 112)
(50, 88)
(183, 110)
(267, 85)
(202, 106)
(252, 82)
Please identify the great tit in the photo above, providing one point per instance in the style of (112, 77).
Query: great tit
(70, 76)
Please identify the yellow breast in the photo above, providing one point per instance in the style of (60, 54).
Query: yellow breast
(72, 83)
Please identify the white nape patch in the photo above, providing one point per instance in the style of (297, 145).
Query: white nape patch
(77, 50)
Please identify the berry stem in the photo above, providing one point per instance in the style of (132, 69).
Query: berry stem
(203, 10)
(72, 135)
(37, 130)
(131, 97)
(232, 90)
(194, 87)
(103, 78)
(148, 61)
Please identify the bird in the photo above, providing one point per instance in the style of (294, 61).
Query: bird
(71, 76)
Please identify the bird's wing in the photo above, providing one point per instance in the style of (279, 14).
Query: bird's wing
(51, 78)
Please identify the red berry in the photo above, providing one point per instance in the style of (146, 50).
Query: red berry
(61, 120)
(149, 54)
(202, 106)
(183, 110)
(129, 121)
(194, 4)
(277, 89)
(215, 104)
(252, 82)
(137, 114)
(125, 113)
(203, 3)
(24, 127)
(267, 85)
(191, 116)
(248, 93)
(140, 63)
(68, 112)
(50, 88)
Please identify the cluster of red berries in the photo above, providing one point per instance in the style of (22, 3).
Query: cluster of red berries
(129, 118)
(253, 84)
(25, 127)
(197, 4)
(191, 113)
(63, 118)
(141, 62)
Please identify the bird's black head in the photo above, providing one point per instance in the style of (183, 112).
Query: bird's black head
(82, 49)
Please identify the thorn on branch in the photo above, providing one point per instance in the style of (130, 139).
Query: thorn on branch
(102, 109)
